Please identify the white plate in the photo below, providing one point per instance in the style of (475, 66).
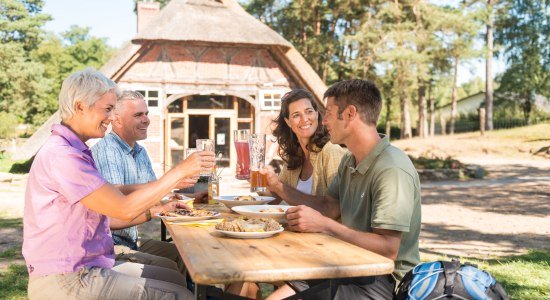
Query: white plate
(254, 211)
(187, 218)
(249, 235)
(230, 201)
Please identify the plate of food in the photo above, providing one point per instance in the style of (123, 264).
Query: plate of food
(262, 211)
(238, 200)
(188, 215)
(249, 228)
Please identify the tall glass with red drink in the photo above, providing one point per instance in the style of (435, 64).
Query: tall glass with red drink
(240, 137)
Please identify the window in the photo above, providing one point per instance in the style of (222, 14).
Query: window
(152, 97)
(271, 99)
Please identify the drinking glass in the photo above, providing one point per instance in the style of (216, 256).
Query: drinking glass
(189, 151)
(240, 137)
(256, 142)
(205, 145)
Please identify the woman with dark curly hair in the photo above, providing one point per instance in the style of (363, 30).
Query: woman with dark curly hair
(311, 161)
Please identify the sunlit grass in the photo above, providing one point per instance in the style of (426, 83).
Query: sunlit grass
(524, 277)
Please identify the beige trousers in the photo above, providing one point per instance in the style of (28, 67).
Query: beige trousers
(124, 281)
(154, 253)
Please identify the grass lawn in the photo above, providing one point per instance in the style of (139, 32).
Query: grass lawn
(524, 277)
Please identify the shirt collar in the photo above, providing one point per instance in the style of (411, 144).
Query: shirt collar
(364, 165)
(127, 149)
(71, 137)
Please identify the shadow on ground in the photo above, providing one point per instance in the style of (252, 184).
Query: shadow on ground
(445, 239)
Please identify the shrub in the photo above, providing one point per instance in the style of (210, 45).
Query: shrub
(8, 125)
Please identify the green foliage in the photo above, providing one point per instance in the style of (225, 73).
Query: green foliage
(8, 125)
(13, 282)
(523, 29)
(436, 162)
(22, 167)
(34, 63)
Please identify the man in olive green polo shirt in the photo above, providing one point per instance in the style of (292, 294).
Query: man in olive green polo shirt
(376, 192)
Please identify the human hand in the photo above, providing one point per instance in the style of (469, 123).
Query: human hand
(187, 182)
(194, 163)
(273, 182)
(303, 218)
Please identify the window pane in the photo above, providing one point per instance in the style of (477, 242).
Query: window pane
(153, 94)
(210, 102)
(176, 106)
(153, 103)
(243, 125)
(177, 156)
(245, 109)
(176, 132)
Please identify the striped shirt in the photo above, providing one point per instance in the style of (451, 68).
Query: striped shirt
(119, 163)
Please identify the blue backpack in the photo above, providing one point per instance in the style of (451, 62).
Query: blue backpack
(449, 280)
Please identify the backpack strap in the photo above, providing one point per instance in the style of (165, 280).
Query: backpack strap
(451, 269)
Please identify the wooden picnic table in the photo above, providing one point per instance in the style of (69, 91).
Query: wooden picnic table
(212, 258)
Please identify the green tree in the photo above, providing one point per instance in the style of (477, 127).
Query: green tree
(21, 81)
(462, 26)
(523, 29)
(60, 56)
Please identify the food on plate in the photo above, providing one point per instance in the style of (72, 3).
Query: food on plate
(188, 213)
(244, 198)
(272, 210)
(249, 225)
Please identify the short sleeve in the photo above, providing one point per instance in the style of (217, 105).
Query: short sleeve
(75, 176)
(393, 200)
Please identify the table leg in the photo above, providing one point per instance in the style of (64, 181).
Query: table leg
(200, 291)
(162, 231)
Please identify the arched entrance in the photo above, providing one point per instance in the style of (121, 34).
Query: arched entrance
(193, 117)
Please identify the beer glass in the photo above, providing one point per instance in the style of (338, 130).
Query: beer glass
(256, 142)
(240, 138)
(205, 145)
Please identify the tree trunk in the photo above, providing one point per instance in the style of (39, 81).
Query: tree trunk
(406, 132)
(329, 44)
(388, 118)
(422, 127)
(431, 105)
(488, 67)
(454, 96)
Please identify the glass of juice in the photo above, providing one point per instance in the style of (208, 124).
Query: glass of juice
(243, 153)
(256, 143)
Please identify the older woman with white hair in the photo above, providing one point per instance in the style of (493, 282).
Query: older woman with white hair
(67, 243)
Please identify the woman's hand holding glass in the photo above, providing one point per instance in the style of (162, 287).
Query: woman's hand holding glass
(194, 163)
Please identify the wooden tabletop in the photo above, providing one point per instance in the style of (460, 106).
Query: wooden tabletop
(212, 258)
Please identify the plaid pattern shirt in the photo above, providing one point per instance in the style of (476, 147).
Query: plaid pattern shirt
(119, 163)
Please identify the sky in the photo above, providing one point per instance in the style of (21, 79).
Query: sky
(116, 21)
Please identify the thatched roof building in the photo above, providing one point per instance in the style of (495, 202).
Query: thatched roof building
(207, 67)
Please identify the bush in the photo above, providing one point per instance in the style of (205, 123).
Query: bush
(436, 162)
(21, 167)
(8, 125)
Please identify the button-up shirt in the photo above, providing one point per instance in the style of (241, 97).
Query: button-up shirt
(60, 234)
(121, 164)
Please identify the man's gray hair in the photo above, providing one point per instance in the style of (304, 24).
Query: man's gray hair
(127, 95)
(87, 86)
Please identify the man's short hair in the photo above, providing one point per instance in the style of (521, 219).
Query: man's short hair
(126, 96)
(87, 86)
(362, 94)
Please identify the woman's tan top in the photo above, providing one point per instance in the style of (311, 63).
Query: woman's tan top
(325, 165)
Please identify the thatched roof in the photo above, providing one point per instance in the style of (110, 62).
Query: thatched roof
(204, 21)
(209, 21)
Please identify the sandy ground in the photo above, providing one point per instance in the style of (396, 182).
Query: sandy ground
(504, 214)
